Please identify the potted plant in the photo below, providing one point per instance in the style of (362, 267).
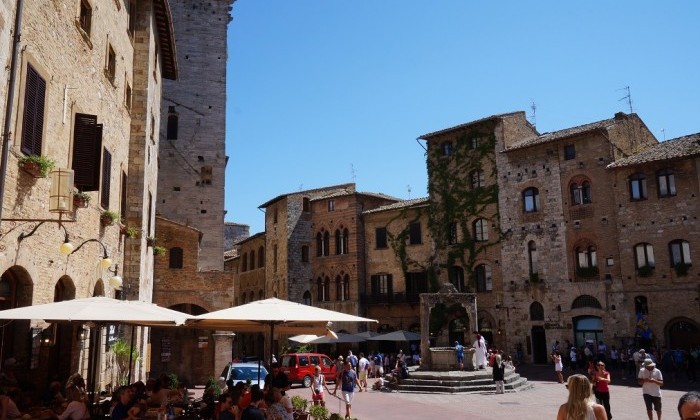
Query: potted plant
(681, 269)
(645, 271)
(81, 200)
(108, 218)
(300, 404)
(36, 166)
(129, 231)
(158, 250)
(151, 241)
(319, 412)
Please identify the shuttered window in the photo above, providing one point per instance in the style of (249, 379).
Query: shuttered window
(106, 178)
(122, 202)
(87, 146)
(33, 118)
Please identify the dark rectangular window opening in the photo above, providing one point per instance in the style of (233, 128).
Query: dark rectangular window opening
(85, 16)
(381, 241)
(414, 234)
(569, 152)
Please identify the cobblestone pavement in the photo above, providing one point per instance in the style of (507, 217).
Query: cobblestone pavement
(538, 403)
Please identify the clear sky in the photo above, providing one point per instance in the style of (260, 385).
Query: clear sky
(328, 92)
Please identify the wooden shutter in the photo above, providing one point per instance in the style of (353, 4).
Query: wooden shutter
(106, 178)
(122, 203)
(33, 118)
(87, 145)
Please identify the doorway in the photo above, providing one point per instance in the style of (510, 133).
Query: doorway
(539, 345)
(588, 331)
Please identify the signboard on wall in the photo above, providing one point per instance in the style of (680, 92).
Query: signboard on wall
(165, 349)
(203, 342)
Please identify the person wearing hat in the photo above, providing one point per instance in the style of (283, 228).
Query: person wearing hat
(651, 380)
(460, 354)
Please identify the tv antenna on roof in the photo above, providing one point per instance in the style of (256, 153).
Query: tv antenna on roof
(533, 116)
(353, 175)
(628, 97)
(408, 187)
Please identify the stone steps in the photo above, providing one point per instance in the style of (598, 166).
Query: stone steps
(459, 382)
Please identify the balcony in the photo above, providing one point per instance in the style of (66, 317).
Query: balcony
(389, 298)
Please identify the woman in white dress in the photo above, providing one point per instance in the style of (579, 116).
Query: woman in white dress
(580, 405)
(479, 352)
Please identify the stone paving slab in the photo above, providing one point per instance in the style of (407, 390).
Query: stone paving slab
(539, 403)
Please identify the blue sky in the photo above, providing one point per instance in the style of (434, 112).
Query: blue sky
(328, 92)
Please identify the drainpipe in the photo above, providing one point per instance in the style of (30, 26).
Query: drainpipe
(8, 105)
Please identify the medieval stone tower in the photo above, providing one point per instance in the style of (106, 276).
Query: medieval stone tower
(192, 153)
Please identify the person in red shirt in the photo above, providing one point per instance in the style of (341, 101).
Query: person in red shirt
(601, 380)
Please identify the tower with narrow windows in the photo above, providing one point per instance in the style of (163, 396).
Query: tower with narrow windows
(192, 155)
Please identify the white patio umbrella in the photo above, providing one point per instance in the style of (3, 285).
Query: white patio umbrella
(341, 338)
(304, 338)
(400, 335)
(273, 314)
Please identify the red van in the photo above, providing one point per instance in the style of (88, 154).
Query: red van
(299, 367)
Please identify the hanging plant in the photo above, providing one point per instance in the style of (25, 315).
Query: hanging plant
(151, 241)
(158, 250)
(81, 200)
(36, 166)
(108, 218)
(130, 232)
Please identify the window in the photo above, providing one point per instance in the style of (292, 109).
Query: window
(476, 179)
(667, 183)
(319, 290)
(532, 257)
(261, 257)
(341, 242)
(536, 312)
(87, 149)
(307, 298)
(481, 230)
(326, 289)
(346, 287)
(319, 244)
(569, 152)
(456, 276)
(680, 252)
(638, 187)
(130, 16)
(447, 148)
(205, 175)
(331, 205)
(252, 259)
(416, 282)
(111, 65)
(33, 116)
(171, 132)
(452, 233)
(644, 255)
(580, 193)
(304, 253)
(244, 262)
(531, 200)
(339, 288)
(586, 257)
(380, 238)
(85, 19)
(175, 260)
(106, 178)
(414, 234)
(482, 277)
(640, 305)
(381, 284)
(475, 142)
(122, 201)
(306, 204)
(127, 95)
(586, 301)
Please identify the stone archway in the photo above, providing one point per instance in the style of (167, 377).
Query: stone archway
(16, 291)
(447, 296)
(682, 333)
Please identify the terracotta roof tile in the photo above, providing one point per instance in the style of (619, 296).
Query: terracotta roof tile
(680, 147)
(416, 202)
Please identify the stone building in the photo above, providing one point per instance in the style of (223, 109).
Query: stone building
(193, 151)
(86, 95)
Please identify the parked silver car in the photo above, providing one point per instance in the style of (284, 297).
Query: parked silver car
(243, 372)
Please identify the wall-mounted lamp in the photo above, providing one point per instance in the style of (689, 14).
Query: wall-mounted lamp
(82, 334)
(67, 248)
(61, 194)
(115, 281)
(48, 336)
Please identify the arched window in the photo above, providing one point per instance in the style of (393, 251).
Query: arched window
(456, 275)
(319, 290)
(307, 298)
(244, 262)
(482, 277)
(586, 257)
(644, 255)
(319, 244)
(341, 241)
(326, 289)
(536, 312)
(580, 193)
(304, 253)
(532, 257)
(680, 252)
(252, 259)
(638, 187)
(338, 288)
(447, 148)
(344, 241)
(172, 124)
(531, 200)
(175, 260)
(586, 301)
(326, 244)
(481, 230)
(338, 245)
(261, 257)
(346, 287)
(666, 182)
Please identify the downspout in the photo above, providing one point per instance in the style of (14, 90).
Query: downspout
(8, 105)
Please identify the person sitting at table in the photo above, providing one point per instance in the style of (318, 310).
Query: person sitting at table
(77, 408)
(53, 396)
(159, 395)
(279, 406)
(254, 411)
(121, 409)
(8, 407)
(227, 408)
(76, 382)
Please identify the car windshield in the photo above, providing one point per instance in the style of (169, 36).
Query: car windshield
(242, 373)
